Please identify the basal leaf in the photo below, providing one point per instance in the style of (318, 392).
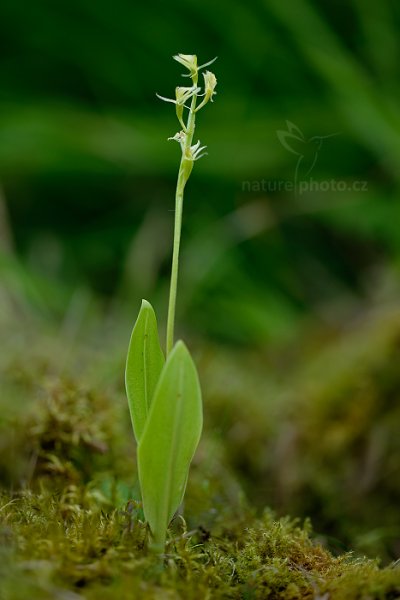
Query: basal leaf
(144, 363)
(169, 441)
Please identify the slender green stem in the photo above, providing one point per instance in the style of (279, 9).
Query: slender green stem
(180, 187)
(175, 265)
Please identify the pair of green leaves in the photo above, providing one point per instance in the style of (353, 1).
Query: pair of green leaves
(166, 409)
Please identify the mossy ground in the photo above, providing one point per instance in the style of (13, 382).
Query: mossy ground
(71, 525)
(72, 545)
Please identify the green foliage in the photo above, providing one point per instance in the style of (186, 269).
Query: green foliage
(169, 441)
(144, 364)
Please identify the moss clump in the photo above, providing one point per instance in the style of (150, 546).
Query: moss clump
(58, 436)
(54, 543)
(317, 427)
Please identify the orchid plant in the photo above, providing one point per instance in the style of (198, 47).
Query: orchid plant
(164, 394)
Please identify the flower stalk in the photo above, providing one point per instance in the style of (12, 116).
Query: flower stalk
(190, 153)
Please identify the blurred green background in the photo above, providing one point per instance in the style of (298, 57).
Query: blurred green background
(291, 299)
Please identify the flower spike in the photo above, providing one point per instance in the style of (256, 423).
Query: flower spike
(185, 95)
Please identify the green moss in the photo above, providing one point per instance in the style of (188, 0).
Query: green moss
(318, 434)
(72, 542)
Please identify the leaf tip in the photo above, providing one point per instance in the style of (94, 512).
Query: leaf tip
(180, 348)
(145, 304)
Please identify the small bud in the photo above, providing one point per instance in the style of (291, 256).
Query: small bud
(189, 61)
(179, 137)
(210, 82)
(196, 151)
(182, 95)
